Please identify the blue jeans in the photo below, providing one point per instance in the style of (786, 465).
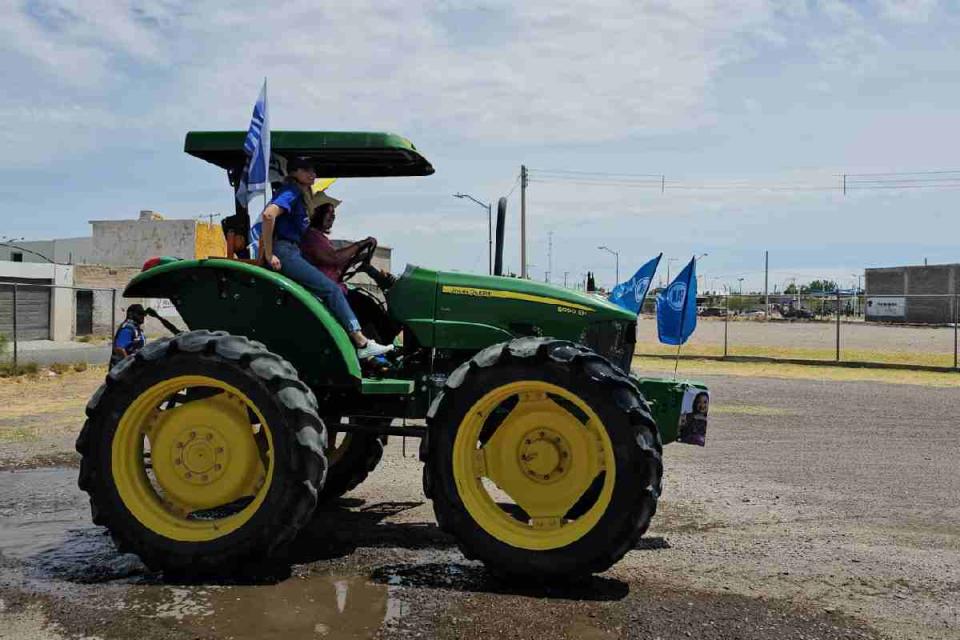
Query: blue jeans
(294, 266)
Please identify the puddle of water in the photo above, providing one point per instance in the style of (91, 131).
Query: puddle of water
(38, 491)
(43, 513)
(309, 607)
(21, 538)
(45, 526)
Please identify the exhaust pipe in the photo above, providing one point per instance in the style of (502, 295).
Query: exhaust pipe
(501, 223)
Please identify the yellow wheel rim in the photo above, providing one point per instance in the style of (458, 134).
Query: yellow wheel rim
(546, 453)
(192, 469)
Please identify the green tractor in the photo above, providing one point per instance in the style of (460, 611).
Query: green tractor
(208, 451)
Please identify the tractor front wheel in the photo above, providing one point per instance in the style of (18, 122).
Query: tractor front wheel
(543, 460)
(202, 453)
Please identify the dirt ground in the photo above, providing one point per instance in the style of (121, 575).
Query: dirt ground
(820, 508)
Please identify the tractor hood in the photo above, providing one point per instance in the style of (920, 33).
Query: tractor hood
(549, 298)
(464, 311)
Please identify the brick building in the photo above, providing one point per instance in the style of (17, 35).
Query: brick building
(925, 294)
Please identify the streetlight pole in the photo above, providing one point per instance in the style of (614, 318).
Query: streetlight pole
(489, 209)
(616, 255)
(741, 286)
(669, 260)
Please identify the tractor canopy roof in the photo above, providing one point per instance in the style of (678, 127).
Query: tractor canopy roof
(340, 154)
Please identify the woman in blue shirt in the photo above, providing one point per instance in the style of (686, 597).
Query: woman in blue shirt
(285, 221)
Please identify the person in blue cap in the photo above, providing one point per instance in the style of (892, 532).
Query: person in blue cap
(130, 337)
(285, 221)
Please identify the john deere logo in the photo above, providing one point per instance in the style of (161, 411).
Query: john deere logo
(677, 295)
(640, 289)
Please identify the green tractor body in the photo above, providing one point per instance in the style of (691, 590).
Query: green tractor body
(525, 386)
(457, 314)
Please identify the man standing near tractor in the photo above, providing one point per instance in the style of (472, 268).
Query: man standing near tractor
(130, 337)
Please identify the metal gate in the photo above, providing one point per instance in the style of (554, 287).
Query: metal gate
(84, 313)
(32, 308)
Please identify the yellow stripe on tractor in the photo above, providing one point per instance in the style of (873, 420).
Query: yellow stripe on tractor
(510, 295)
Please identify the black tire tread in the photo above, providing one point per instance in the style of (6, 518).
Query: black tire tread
(363, 456)
(594, 369)
(306, 461)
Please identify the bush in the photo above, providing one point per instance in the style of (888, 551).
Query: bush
(59, 368)
(7, 369)
(3, 343)
(79, 366)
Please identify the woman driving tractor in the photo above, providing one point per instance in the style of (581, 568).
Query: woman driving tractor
(285, 222)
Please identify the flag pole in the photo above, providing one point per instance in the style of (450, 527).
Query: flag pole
(676, 363)
(267, 189)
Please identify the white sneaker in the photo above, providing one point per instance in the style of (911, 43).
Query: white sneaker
(373, 349)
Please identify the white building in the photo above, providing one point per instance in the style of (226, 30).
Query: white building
(60, 251)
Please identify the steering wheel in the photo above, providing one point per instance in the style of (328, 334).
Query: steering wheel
(359, 261)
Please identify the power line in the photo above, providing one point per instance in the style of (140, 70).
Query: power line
(945, 179)
(514, 187)
(905, 173)
(597, 173)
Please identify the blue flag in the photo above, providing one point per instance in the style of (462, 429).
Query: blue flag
(631, 294)
(677, 307)
(257, 147)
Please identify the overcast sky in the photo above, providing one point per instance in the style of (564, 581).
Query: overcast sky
(95, 104)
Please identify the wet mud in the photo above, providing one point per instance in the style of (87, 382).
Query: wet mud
(361, 569)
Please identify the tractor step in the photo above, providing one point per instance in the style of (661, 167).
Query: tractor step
(387, 386)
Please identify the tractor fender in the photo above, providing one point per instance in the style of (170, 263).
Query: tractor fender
(249, 300)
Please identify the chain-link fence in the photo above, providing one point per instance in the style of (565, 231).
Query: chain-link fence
(913, 330)
(46, 323)
(49, 323)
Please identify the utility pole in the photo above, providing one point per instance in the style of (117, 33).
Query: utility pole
(565, 279)
(741, 286)
(523, 221)
(766, 285)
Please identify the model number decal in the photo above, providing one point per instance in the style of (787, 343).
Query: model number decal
(468, 291)
(576, 312)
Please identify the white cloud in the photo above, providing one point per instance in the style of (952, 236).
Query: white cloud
(532, 71)
(908, 11)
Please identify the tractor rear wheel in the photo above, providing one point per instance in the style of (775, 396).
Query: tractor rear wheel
(351, 456)
(543, 460)
(202, 453)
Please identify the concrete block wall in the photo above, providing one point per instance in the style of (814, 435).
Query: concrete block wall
(130, 243)
(918, 281)
(104, 311)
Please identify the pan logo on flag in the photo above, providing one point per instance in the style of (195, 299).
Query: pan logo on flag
(640, 289)
(676, 295)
